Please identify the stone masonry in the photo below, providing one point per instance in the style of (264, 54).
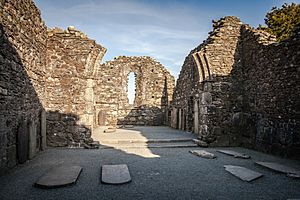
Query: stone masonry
(154, 89)
(238, 88)
(82, 93)
(265, 92)
(197, 90)
(244, 90)
(53, 81)
(72, 61)
(22, 82)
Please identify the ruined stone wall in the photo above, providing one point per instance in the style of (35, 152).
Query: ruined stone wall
(245, 91)
(83, 93)
(200, 101)
(154, 89)
(268, 73)
(22, 81)
(72, 61)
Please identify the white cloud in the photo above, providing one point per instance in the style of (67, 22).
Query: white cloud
(133, 27)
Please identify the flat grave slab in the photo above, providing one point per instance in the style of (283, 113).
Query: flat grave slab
(115, 174)
(234, 154)
(109, 130)
(242, 173)
(291, 172)
(59, 177)
(128, 126)
(203, 154)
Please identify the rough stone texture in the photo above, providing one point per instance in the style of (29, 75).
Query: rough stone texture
(244, 88)
(53, 81)
(203, 154)
(22, 76)
(72, 61)
(154, 89)
(83, 93)
(266, 85)
(203, 85)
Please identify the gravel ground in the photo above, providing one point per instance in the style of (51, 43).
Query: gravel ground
(175, 174)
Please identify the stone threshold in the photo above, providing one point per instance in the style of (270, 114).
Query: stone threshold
(125, 141)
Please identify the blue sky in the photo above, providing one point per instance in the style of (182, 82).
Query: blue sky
(164, 29)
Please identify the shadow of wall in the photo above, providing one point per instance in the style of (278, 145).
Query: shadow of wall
(20, 107)
(66, 130)
(257, 104)
(265, 92)
(23, 94)
(253, 102)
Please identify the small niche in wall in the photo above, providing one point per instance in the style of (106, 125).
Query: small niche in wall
(152, 97)
(152, 70)
(108, 79)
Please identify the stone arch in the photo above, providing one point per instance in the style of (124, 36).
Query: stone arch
(202, 63)
(199, 73)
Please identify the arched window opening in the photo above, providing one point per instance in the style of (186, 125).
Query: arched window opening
(131, 88)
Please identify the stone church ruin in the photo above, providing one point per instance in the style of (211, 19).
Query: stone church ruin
(241, 88)
(238, 88)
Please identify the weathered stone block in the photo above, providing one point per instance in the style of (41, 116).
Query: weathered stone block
(32, 139)
(11, 156)
(205, 98)
(43, 130)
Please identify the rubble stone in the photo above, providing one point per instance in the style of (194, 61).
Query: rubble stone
(243, 86)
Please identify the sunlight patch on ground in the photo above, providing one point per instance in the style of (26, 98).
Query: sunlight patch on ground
(128, 141)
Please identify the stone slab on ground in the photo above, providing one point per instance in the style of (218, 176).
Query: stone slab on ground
(59, 177)
(115, 174)
(242, 173)
(200, 143)
(109, 130)
(291, 172)
(203, 154)
(234, 154)
(128, 126)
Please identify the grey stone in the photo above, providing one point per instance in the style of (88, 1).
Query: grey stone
(23, 138)
(43, 130)
(128, 126)
(200, 143)
(234, 154)
(203, 154)
(12, 156)
(115, 174)
(242, 173)
(59, 177)
(205, 98)
(32, 140)
(291, 172)
(95, 145)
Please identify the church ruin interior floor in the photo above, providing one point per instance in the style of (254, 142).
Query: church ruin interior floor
(140, 139)
(173, 174)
